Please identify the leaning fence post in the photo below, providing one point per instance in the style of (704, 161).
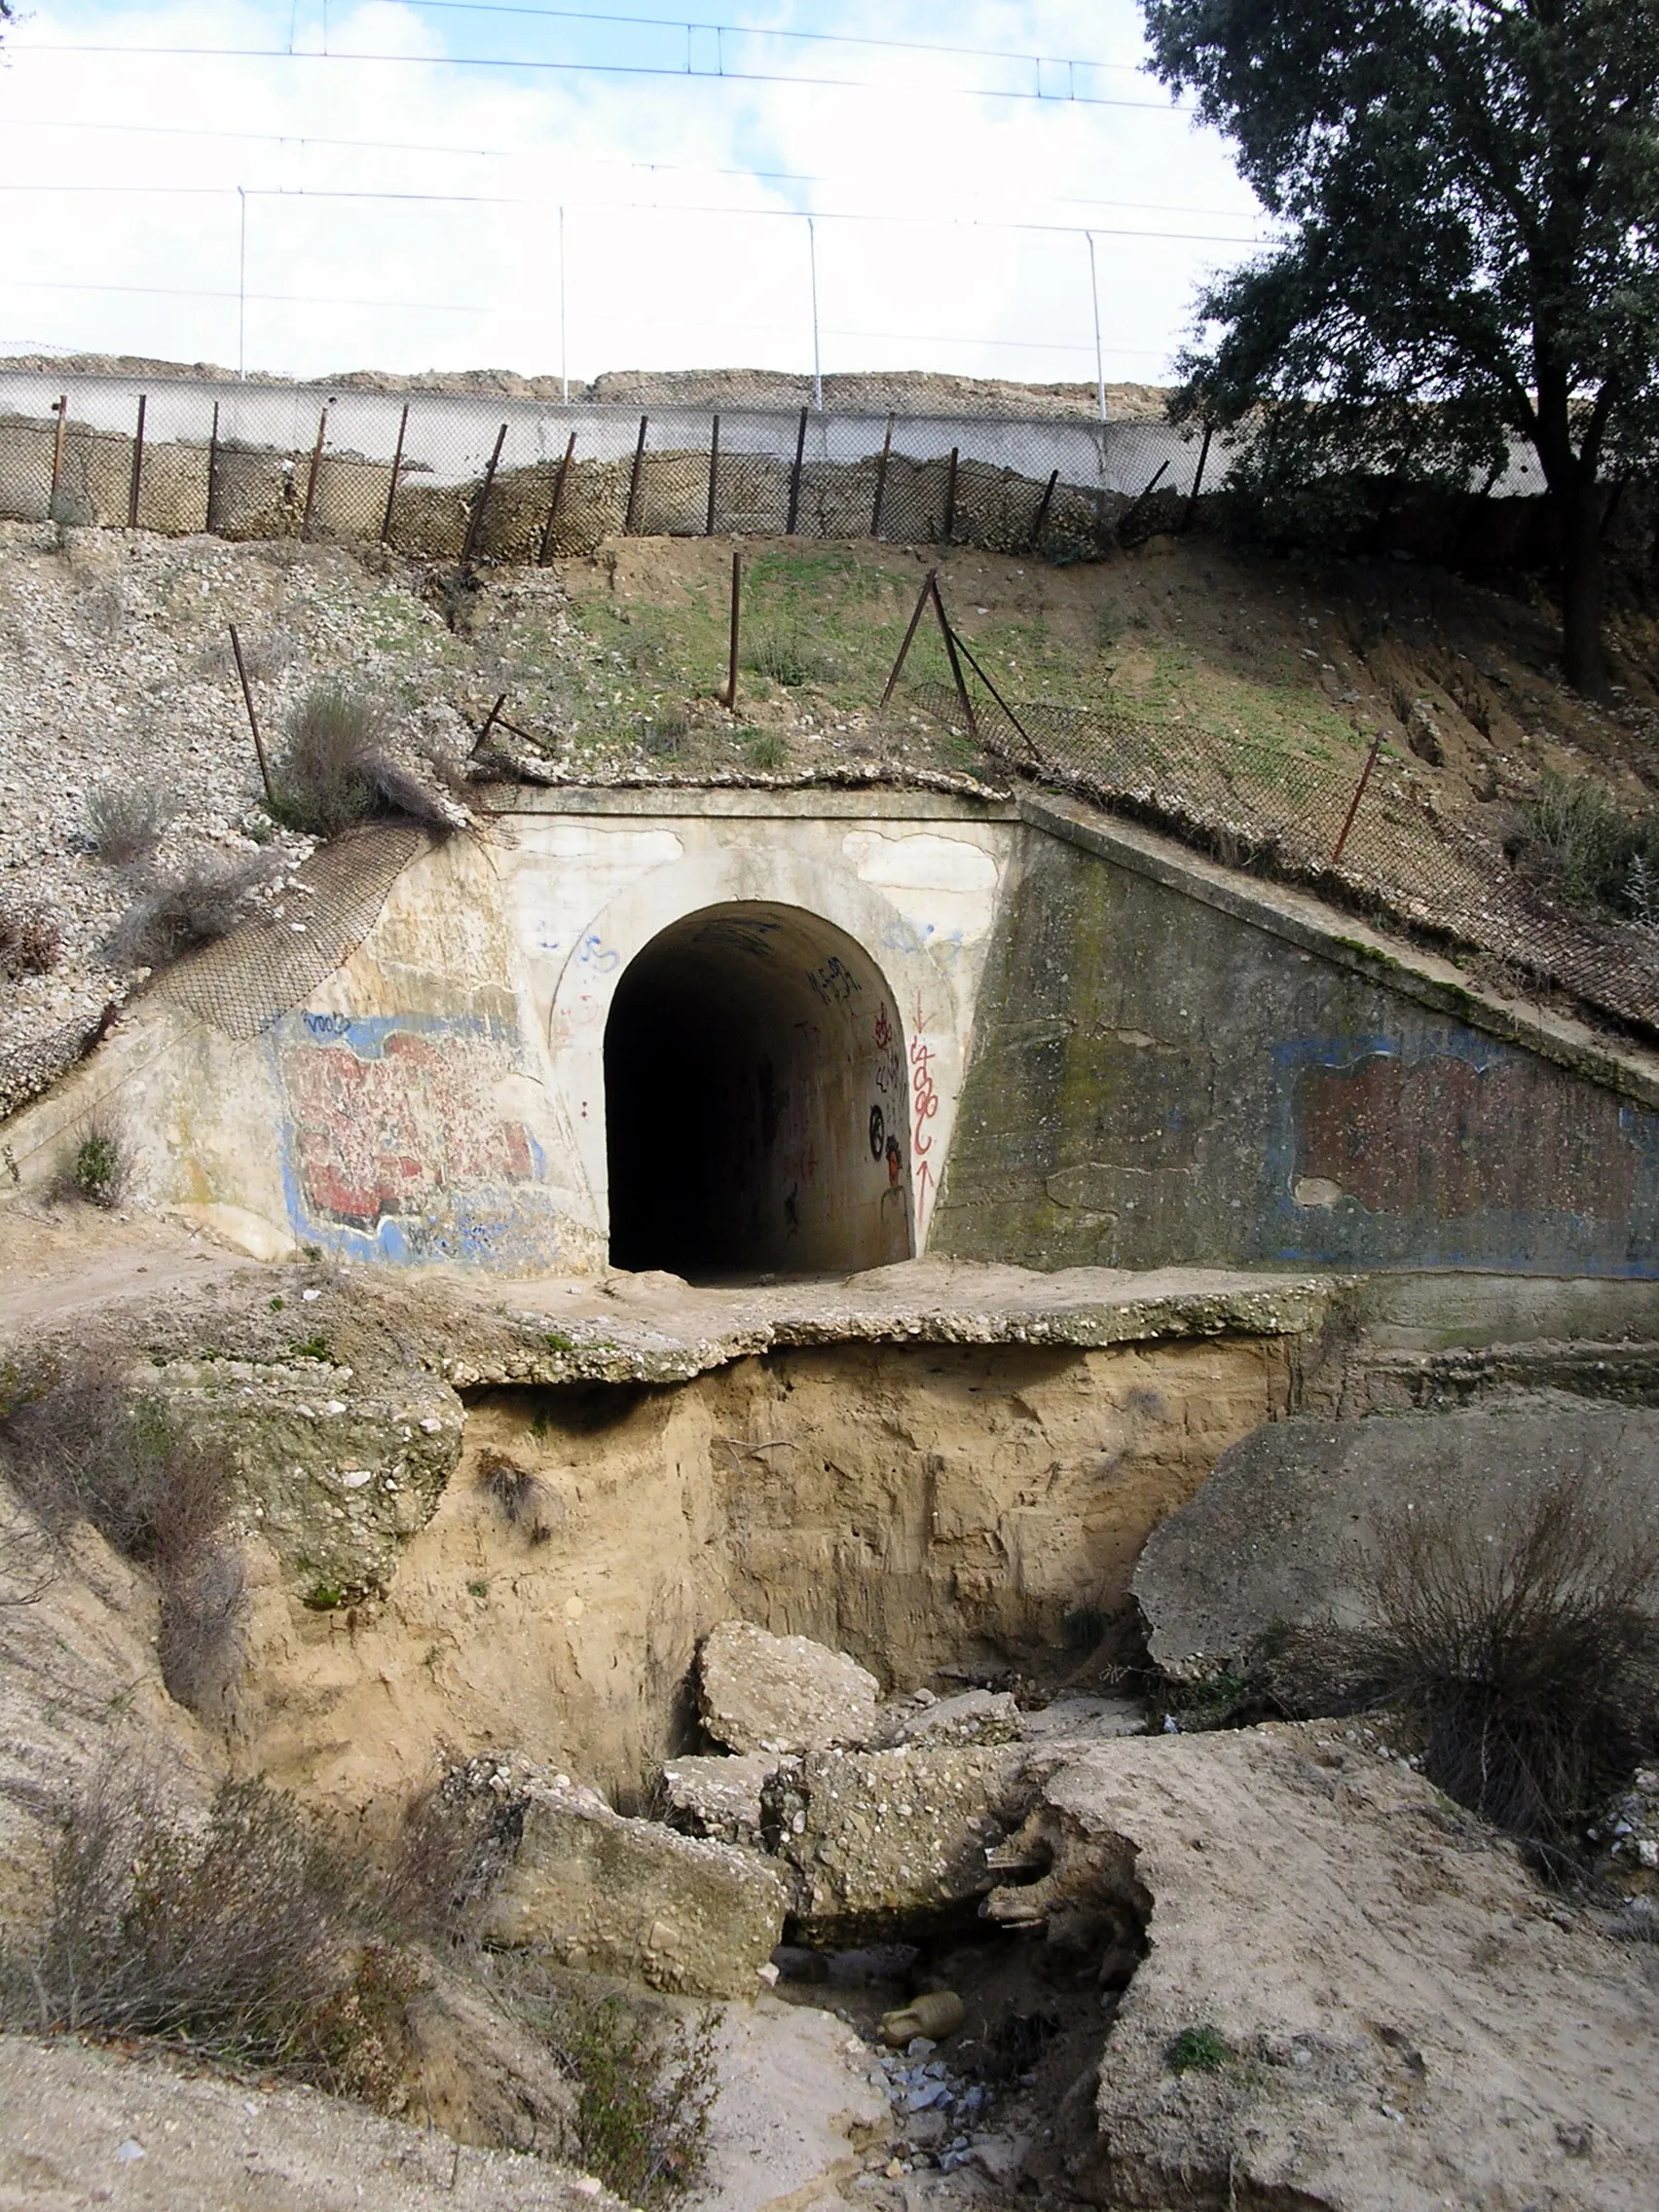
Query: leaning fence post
(57, 446)
(795, 476)
(253, 721)
(957, 675)
(212, 469)
(1141, 498)
(881, 480)
(316, 464)
(730, 701)
(909, 633)
(1198, 479)
(951, 497)
(1043, 510)
(553, 503)
(476, 518)
(137, 465)
(634, 480)
(396, 471)
(713, 474)
(1359, 793)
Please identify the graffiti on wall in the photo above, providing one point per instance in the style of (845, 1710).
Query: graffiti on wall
(394, 1146)
(1449, 1139)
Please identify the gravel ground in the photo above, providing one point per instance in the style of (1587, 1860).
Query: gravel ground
(115, 668)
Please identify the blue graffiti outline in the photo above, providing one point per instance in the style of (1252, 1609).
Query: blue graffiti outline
(1496, 1238)
(478, 1231)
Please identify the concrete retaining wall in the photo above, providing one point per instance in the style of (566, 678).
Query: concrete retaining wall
(1056, 1040)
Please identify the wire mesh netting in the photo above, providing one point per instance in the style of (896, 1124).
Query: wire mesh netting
(247, 981)
(456, 476)
(1322, 818)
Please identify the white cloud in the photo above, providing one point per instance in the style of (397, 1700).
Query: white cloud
(653, 278)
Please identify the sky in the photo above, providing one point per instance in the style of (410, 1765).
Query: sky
(311, 186)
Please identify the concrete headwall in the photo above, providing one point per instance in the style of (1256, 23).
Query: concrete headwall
(1174, 1064)
(1019, 1032)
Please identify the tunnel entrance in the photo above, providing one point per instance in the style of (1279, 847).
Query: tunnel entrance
(756, 1101)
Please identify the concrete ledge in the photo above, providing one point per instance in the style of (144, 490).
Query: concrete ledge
(770, 802)
(1306, 922)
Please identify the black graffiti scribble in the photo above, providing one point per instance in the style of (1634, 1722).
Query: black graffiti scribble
(878, 1132)
(895, 1162)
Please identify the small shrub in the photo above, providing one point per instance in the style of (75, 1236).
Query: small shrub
(1595, 851)
(645, 2093)
(1528, 1656)
(126, 821)
(665, 733)
(82, 1449)
(100, 1168)
(338, 769)
(1198, 2051)
(233, 1934)
(767, 750)
(32, 944)
(204, 900)
(456, 1835)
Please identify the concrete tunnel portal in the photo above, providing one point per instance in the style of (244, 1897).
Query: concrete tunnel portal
(756, 1099)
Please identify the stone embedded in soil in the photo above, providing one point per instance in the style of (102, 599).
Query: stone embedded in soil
(783, 1693)
(631, 1897)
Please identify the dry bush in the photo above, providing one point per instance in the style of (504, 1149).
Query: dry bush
(82, 1449)
(1528, 1656)
(126, 821)
(338, 767)
(32, 944)
(456, 1835)
(522, 1499)
(205, 899)
(234, 1933)
(101, 1163)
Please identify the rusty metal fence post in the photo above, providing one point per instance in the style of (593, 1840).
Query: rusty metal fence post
(316, 464)
(476, 520)
(137, 465)
(554, 504)
(62, 412)
(1359, 793)
(634, 479)
(1198, 479)
(730, 700)
(714, 473)
(795, 476)
(253, 721)
(1043, 510)
(881, 480)
(212, 469)
(951, 498)
(396, 471)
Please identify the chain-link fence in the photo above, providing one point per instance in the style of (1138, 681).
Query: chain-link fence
(1342, 821)
(454, 476)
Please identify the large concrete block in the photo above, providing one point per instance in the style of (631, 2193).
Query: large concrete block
(1280, 1533)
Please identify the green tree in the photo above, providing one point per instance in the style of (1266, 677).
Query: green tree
(1469, 195)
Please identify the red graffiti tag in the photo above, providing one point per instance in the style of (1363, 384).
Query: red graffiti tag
(924, 1097)
(883, 1031)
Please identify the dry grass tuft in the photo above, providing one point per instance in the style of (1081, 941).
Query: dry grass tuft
(1529, 1656)
(32, 944)
(339, 768)
(234, 1933)
(522, 1499)
(204, 900)
(126, 821)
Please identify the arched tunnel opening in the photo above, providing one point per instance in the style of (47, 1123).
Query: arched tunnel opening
(756, 1101)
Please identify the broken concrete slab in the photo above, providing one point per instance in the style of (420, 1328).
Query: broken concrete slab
(1278, 1535)
(1071, 1720)
(970, 1717)
(616, 1896)
(1405, 2016)
(883, 1841)
(783, 1693)
(718, 1798)
(796, 2110)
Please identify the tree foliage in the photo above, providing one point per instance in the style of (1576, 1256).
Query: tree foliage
(1469, 195)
